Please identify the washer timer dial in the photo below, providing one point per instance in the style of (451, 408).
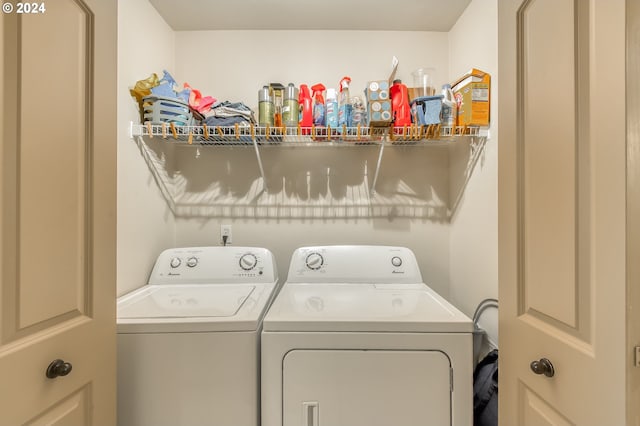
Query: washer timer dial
(248, 261)
(175, 262)
(314, 261)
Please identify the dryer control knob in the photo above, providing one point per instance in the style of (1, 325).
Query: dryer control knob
(175, 262)
(314, 261)
(396, 261)
(248, 261)
(192, 261)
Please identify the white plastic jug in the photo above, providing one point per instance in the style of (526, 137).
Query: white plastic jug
(449, 107)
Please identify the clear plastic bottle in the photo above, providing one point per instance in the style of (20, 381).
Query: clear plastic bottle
(332, 108)
(345, 106)
(358, 113)
(449, 112)
(277, 94)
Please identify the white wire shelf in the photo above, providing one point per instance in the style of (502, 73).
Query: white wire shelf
(305, 136)
(256, 202)
(358, 201)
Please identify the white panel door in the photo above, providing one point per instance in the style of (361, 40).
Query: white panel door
(366, 388)
(562, 212)
(57, 213)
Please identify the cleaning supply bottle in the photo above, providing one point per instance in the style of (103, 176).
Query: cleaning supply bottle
(318, 104)
(265, 107)
(305, 119)
(332, 108)
(449, 112)
(358, 113)
(290, 108)
(277, 94)
(400, 104)
(344, 103)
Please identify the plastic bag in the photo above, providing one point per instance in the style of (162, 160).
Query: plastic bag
(143, 88)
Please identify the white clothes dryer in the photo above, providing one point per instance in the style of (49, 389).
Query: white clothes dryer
(356, 338)
(188, 341)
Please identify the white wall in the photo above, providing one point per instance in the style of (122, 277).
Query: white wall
(233, 65)
(473, 43)
(145, 223)
(283, 237)
(459, 260)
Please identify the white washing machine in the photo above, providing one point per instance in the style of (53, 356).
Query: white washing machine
(188, 341)
(355, 338)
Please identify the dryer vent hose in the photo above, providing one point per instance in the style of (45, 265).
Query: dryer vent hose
(486, 303)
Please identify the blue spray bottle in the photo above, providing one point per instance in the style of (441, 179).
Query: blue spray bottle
(332, 108)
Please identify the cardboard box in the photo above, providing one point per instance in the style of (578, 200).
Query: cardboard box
(378, 97)
(379, 103)
(473, 96)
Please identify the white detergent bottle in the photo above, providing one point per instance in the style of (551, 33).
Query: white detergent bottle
(332, 108)
(449, 107)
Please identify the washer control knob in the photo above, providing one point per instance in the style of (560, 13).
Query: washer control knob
(314, 261)
(396, 261)
(192, 261)
(175, 262)
(248, 261)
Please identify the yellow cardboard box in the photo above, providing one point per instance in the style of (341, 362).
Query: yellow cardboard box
(473, 95)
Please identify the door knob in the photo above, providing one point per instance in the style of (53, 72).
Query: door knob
(58, 368)
(543, 366)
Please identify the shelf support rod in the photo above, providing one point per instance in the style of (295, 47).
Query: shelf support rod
(264, 178)
(375, 176)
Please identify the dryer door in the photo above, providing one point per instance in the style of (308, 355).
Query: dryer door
(366, 388)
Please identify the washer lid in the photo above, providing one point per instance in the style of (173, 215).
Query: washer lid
(193, 307)
(364, 307)
(186, 301)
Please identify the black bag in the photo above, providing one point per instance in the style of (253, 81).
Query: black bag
(485, 391)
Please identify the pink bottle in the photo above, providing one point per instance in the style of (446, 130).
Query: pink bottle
(400, 104)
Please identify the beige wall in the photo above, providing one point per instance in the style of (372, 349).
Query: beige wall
(473, 43)
(145, 224)
(233, 65)
(459, 260)
(282, 237)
